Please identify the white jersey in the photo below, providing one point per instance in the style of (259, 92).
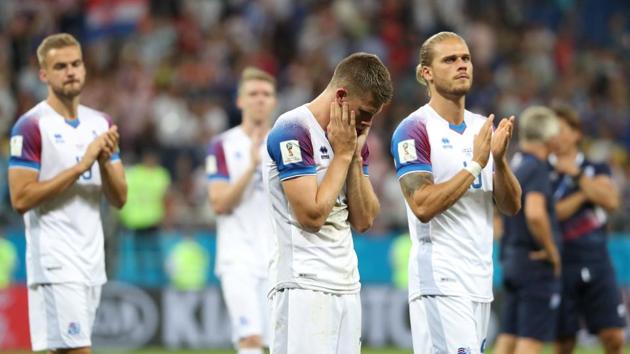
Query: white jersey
(325, 260)
(452, 253)
(244, 235)
(64, 234)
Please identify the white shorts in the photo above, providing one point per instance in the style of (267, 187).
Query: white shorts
(245, 296)
(61, 315)
(307, 321)
(448, 325)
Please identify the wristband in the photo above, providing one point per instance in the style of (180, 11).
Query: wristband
(474, 168)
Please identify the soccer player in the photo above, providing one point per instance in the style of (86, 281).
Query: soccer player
(244, 234)
(63, 159)
(584, 193)
(451, 167)
(529, 247)
(317, 175)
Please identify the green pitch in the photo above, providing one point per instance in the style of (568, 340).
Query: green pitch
(593, 350)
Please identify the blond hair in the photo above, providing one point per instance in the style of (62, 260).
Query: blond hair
(537, 124)
(55, 41)
(251, 73)
(427, 53)
(364, 73)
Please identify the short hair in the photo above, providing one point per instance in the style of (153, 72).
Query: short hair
(567, 114)
(55, 41)
(251, 73)
(364, 73)
(427, 53)
(537, 124)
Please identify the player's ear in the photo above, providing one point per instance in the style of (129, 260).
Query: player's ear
(340, 94)
(426, 73)
(42, 75)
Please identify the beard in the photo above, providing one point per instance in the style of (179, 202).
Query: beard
(70, 90)
(450, 89)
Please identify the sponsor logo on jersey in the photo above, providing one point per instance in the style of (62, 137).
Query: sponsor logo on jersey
(290, 150)
(16, 145)
(407, 151)
(74, 328)
(211, 165)
(324, 151)
(58, 138)
(446, 143)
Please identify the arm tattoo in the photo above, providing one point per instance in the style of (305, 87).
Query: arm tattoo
(413, 181)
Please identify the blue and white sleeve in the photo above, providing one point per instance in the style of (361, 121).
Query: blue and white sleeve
(411, 148)
(289, 146)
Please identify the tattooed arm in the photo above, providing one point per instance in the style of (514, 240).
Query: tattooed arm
(426, 199)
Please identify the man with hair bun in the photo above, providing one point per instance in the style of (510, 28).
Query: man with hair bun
(452, 169)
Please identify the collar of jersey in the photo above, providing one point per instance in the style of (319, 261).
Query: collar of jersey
(458, 128)
(71, 122)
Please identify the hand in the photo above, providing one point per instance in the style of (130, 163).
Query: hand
(482, 143)
(92, 153)
(567, 166)
(111, 138)
(501, 138)
(341, 129)
(552, 257)
(361, 141)
(257, 138)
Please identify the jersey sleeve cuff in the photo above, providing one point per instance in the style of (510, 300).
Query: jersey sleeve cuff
(365, 171)
(216, 177)
(296, 172)
(19, 163)
(413, 168)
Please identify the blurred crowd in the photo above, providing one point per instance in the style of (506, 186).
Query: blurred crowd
(166, 71)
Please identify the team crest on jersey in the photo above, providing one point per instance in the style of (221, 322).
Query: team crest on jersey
(74, 328)
(407, 151)
(463, 350)
(290, 150)
(16, 145)
(211, 165)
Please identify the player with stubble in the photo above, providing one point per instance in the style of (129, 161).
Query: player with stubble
(452, 170)
(317, 175)
(63, 160)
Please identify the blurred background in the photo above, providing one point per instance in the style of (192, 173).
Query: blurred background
(167, 70)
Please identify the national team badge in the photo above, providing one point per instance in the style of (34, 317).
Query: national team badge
(74, 328)
(16, 145)
(463, 350)
(290, 150)
(407, 151)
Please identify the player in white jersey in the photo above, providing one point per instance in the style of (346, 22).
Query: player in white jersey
(238, 197)
(449, 180)
(63, 158)
(316, 173)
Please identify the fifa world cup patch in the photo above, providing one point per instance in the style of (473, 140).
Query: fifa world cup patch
(211, 165)
(291, 152)
(16, 145)
(407, 151)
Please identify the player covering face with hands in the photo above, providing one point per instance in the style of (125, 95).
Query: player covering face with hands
(63, 158)
(452, 171)
(317, 174)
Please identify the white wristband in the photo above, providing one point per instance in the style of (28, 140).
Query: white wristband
(474, 168)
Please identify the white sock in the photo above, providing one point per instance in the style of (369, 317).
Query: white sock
(250, 351)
